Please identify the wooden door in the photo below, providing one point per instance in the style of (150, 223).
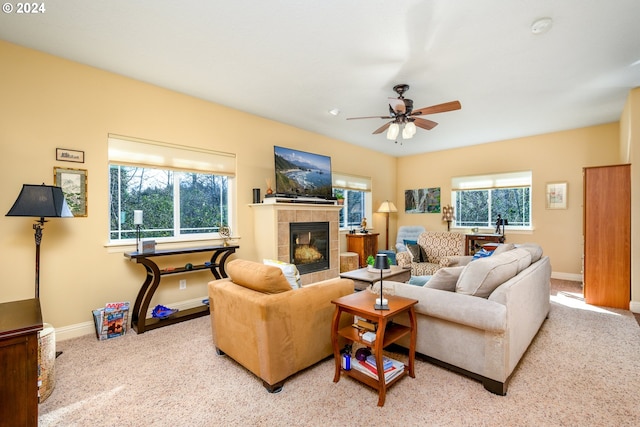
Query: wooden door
(607, 236)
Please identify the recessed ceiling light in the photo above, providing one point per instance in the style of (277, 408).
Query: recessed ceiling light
(541, 25)
(334, 111)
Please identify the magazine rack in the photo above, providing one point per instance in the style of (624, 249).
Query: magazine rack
(139, 320)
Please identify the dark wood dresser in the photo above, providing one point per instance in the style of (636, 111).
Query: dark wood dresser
(20, 322)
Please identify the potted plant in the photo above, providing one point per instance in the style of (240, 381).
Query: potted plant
(340, 197)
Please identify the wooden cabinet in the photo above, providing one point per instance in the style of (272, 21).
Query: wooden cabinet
(607, 236)
(20, 322)
(364, 244)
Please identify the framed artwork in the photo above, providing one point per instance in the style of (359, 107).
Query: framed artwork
(66, 155)
(74, 186)
(556, 195)
(423, 200)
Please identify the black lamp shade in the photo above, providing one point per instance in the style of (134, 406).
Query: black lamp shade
(381, 262)
(44, 201)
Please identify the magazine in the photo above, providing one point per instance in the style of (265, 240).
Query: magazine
(111, 321)
(396, 369)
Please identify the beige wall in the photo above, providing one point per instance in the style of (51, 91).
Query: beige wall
(629, 153)
(48, 102)
(555, 157)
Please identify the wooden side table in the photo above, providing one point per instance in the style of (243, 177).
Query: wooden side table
(471, 240)
(20, 322)
(361, 304)
(364, 244)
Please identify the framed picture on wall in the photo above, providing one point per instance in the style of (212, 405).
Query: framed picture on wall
(66, 155)
(422, 200)
(74, 186)
(556, 195)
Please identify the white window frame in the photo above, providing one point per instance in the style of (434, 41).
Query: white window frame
(129, 151)
(493, 182)
(350, 182)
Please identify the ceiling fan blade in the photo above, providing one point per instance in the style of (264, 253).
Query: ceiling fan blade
(425, 123)
(397, 105)
(370, 117)
(440, 108)
(382, 128)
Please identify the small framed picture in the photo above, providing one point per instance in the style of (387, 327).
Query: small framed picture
(556, 195)
(74, 186)
(66, 155)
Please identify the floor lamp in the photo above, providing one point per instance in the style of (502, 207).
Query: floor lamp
(387, 207)
(43, 201)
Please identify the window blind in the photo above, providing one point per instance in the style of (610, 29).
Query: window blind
(140, 152)
(351, 182)
(490, 181)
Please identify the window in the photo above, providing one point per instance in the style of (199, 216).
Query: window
(478, 200)
(356, 192)
(187, 202)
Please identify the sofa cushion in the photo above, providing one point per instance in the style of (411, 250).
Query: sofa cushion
(290, 271)
(534, 249)
(481, 277)
(445, 279)
(259, 277)
(504, 248)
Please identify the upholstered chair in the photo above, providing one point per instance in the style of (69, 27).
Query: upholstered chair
(434, 250)
(409, 233)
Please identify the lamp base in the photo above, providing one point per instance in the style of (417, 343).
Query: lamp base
(381, 304)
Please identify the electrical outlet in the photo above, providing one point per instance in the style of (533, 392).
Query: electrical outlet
(183, 284)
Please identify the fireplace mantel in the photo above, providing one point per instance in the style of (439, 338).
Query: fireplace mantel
(271, 230)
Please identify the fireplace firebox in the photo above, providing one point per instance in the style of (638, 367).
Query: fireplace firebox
(309, 246)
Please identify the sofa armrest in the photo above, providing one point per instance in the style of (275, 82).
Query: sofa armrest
(466, 310)
(403, 259)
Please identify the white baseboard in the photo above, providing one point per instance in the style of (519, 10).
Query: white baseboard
(634, 306)
(87, 328)
(566, 276)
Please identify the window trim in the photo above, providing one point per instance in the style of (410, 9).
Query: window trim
(495, 181)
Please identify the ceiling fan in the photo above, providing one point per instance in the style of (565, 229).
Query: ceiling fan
(401, 112)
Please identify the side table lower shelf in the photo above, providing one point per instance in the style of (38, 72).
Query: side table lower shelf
(180, 316)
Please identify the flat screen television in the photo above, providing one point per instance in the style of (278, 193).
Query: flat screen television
(299, 173)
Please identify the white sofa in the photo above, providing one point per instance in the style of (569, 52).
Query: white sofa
(473, 328)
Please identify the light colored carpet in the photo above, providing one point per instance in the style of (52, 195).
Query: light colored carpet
(583, 368)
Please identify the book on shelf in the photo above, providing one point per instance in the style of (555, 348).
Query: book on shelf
(111, 320)
(366, 324)
(386, 361)
(396, 369)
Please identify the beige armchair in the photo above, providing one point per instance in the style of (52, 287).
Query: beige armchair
(267, 327)
(438, 249)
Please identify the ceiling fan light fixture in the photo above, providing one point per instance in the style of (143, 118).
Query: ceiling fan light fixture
(394, 130)
(409, 130)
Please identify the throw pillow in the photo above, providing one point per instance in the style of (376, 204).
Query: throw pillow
(419, 280)
(445, 279)
(410, 242)
(423, 255)
(290, 271)
(480, 278)
(256, 276)
(415, 252)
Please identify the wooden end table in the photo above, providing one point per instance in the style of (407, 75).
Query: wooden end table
(361, 304)
(363, 278)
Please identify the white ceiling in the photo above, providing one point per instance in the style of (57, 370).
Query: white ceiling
(293, 60)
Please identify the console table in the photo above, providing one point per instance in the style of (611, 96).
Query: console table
(471, 246)
(139, 320)
(20, 322)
